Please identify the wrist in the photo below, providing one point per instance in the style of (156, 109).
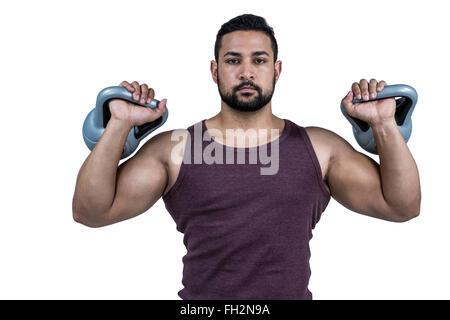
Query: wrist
(383, 124)
(120, 124)
(384, 130)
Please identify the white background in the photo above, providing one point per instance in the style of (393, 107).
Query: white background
(56, 56)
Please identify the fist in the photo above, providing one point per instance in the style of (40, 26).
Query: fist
(373, 111)
(134, 114)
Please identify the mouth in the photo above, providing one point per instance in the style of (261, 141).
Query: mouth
(247, 89)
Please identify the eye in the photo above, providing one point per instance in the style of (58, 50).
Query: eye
(235, 61)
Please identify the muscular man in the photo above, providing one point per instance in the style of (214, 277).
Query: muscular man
(247, 233)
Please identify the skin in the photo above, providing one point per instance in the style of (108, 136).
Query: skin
(236, 70)
(106, 193)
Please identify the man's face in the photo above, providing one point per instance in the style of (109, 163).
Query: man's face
(246, 60)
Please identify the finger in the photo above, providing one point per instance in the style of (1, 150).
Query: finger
(126, 85)
(151, 95)
(364, 85)
(347, 101)
(381, 85)
(373, 88)
(137, 90)
(161, 109)
(162, 106)
(144, 93)
(356, 90)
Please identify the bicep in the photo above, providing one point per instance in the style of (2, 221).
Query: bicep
(355, 182)
(140, 182)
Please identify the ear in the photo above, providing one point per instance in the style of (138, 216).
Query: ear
(214, 70)
(277, 70)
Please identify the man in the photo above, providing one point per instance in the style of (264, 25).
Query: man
(247, 233)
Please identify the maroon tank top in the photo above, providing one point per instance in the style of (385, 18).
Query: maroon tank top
(247, 234)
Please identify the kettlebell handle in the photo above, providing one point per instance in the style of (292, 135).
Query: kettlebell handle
(115, 92)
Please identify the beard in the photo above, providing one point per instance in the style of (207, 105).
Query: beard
(255, 103)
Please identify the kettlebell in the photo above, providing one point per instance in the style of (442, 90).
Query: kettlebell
(97, 119)
(405, 99)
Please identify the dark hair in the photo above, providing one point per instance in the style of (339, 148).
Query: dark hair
(246, 22)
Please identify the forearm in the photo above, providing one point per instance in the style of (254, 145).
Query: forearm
(399, 174)
(96, 181)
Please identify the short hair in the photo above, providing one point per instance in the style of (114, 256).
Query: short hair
(246, 22)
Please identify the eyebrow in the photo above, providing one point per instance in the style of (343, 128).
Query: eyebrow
(237, 54)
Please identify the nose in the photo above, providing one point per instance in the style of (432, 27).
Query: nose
(247, 72)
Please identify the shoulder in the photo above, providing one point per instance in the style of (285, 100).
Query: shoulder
(327, 140)
(322, 139)
(161, 145)
(327, 145)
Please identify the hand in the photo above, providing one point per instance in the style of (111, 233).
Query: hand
(373, 112)
(132, 113)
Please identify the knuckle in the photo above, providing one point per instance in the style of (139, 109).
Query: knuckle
(136, 86)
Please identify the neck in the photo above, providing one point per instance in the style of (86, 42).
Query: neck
(229, 118)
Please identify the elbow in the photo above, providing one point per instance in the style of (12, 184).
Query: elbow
(76, 212)
(404, 215)
(415, 211)
(82, 216)
(79, 218)
(407, 211)
(76, 215)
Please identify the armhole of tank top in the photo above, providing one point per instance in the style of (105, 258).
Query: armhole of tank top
(315, 161)
(180, 177)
